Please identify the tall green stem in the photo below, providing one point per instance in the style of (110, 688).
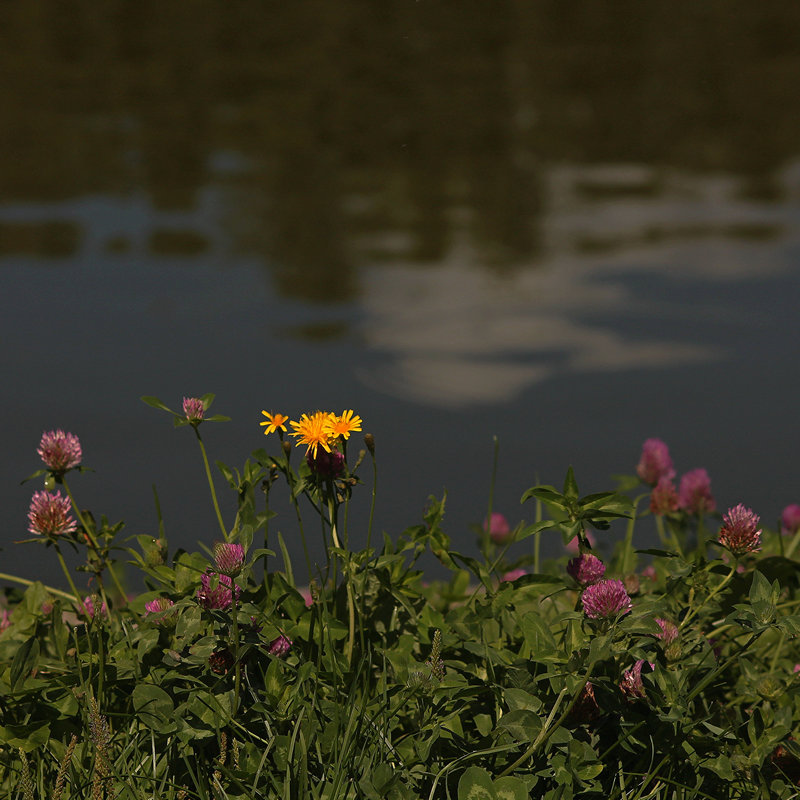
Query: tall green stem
(68, 576)
(374, 495)
(550, 726)
(351, 611)
(25, 582)
(627, 550)
(237, 666)
(713, 593)
(211, 484)
(290, 477)
(793, 545)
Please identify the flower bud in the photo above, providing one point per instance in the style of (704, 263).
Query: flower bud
(369, 441)
(228, 558)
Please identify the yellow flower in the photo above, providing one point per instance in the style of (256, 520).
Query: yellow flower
(312, 431)
(343, 425)
(274, 421)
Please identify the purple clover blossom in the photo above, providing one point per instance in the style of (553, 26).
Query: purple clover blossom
(60, 451)
(631, 683)
(193, 409)
(5, 620)
(586, 569)
(663, 498)
(498, 528)
(694, 492)
(605, 599)
(512, 575)
(279, 647)
(740, 532)
(790, 519)
(215, 591)
(325, 464)
(655, 462)
(669, 631)
(229, 558)
(157, 606)
(49, 514)
(92, 608)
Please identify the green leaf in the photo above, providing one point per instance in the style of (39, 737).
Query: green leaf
(537, 635)
(24, 661)
(28, 737)
(156, 403)
(483, 722)
(154, 707)
(522, 724)
(476, 784)
(383, 778)
(34, 475)
(760, 589)
(546, 494)
(570, 486)
(535, 528)
(227, 473)
(509, 788)
(519, 699)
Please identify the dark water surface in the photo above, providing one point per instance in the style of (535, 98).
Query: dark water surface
(570, 226)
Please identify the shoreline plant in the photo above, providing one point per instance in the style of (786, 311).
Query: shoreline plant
(663, 672)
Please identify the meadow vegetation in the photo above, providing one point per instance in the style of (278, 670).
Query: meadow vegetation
(667, 672)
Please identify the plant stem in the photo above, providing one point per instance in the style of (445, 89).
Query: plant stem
(693, 612)
(69, 577)
(211, 484)
(237, 667)
(351, 611)
(537, 537)
(25, 582)
(793, 545)
(374, 494)
(628, 562)
(549, 726)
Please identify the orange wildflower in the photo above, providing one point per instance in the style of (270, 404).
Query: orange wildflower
(312, 431)
(343, 425)
(274, 422)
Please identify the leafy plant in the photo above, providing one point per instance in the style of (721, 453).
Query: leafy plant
(659, 673)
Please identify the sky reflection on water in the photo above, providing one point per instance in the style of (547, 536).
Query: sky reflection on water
(505, 230)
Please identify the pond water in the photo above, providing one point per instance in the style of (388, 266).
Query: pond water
(572, 231)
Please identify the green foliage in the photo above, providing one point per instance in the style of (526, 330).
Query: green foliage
(363, 681)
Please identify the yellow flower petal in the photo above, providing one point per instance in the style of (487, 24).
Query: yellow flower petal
(274, 422)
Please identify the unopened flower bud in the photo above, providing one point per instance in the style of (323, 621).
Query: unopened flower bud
(229, 558)
(369, 441)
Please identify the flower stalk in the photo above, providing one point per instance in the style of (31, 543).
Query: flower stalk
(211, 484)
